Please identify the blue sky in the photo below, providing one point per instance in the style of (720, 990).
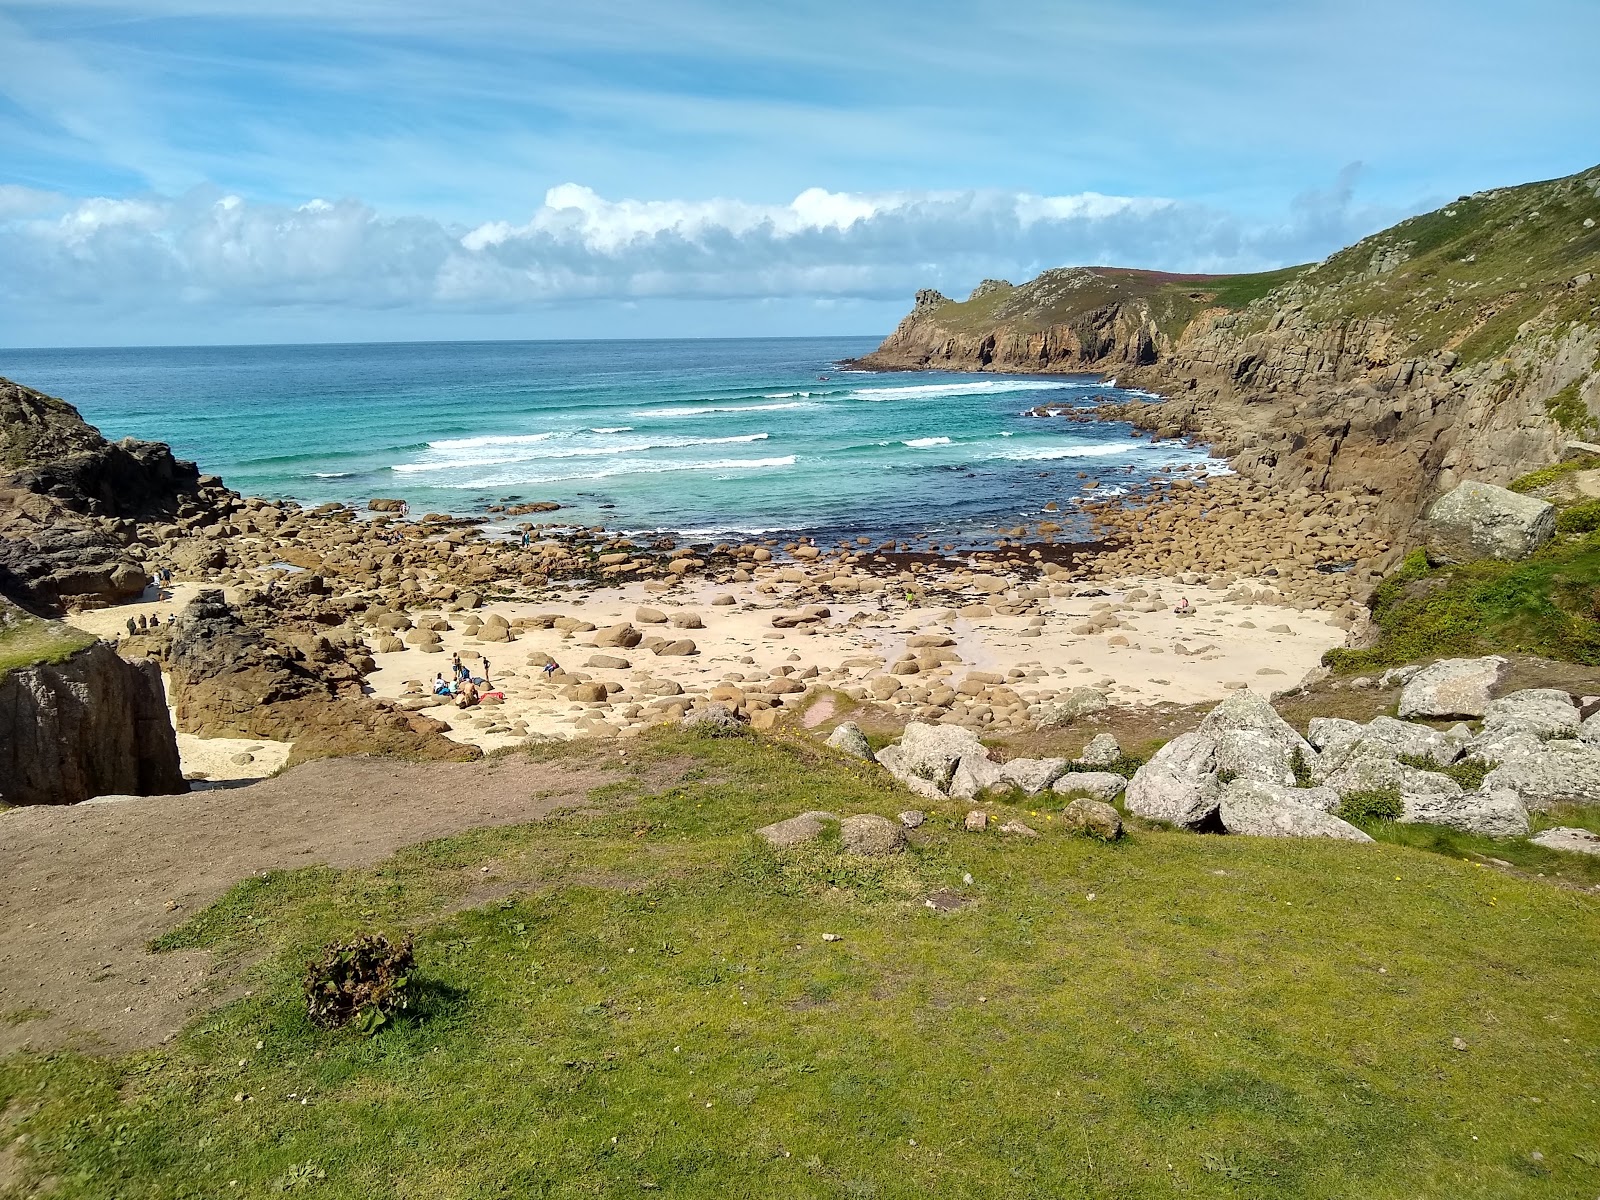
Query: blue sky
(215, 170)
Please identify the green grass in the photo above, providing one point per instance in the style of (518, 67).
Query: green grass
(641, 1002)
(1544, 477)
(27, 641)
(1579, 870)
(1544, 605)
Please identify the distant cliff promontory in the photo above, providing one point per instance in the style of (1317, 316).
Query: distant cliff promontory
(1461, 343)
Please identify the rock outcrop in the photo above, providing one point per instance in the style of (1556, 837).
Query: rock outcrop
(230, 678)
(80, 722)
(1478, 520)
(71, 504)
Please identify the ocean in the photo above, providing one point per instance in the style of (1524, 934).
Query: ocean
(737, 437)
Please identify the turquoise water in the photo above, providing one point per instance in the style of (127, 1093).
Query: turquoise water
(705, 437)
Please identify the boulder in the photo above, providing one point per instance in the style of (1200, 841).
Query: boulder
(974, 775)
(1101, 785)
(650, 616)
(1101, 751)
(889, 759)
(1538, 712)
(681, 647)
(1250, 754)
(871, 835)
(1079, 702)
(847, 738)
(1332, 734)
(1545, 774)
(623, 636)
(1247, 711)
(1032, 775)
(716, 717)
(1179, 784)
(1372, 766)
(1258, 809)
(1490, 812)
(1452, 687)
(1092, 818)
(586, 693)
(608, 662)
(807, 827)
(932, 752)
(1478, 520)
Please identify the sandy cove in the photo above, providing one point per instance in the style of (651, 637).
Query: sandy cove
(1001, 672)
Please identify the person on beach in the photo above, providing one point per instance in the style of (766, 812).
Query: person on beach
(525, 539)
(1184, 608)
(550, 669)
(132, 628)
(485, 672)
(440, 687)
(467, 696)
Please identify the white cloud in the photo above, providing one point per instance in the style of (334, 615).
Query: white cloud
(175, 253)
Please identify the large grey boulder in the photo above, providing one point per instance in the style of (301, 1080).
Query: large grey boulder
(1372, 766)
(1384, 737)
(1333, 734)
(807, 827)
(847, 738)
(1478, 520)
(932, 752)
(1032, 775)
(1452, 687)
(1079, 702)
(889, 759)
(974, 775)
(1250, 754)
(1490, 812)
(1545, 774)
(1179, 784)
(871, 835)
(1538, 712)
(1248, 711)
(1259, 809)
(1101, 751)
(1101, 785)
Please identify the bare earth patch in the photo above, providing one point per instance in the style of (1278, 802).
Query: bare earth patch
(89, 886)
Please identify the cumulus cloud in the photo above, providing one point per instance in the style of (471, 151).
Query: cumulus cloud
(207, 249)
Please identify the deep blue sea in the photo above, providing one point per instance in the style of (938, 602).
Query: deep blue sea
(703, 437)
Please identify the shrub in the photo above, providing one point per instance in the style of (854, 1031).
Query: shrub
(1301, 769)
(1376, 804)
(363, 981)
(1126, 766)
(1469, 772)
(1226, 776)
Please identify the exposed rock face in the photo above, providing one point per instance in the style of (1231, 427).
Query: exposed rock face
(1439, 350)
(1452, 687)
(1477, 520)
(93, 725)
(69, 501)
(1259, 809)
(229, 679)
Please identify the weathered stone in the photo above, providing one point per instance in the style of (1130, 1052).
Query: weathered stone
(1490, 812)
(1080, 702)
(1251, 754)
(932, 752)
(1032, 775)
(623, 636)
(872, 835)
(1101, 751)
(847, 738)
(1452, 687)
(807, 827)
(1373, 766)
(913, 818)
(1179, 784)
(1539, 712)
(1545, 774)
(1255, 808)
(1093, 818)
(976, 821)
(1101, 785)
(1478, 520)
(1573, 841)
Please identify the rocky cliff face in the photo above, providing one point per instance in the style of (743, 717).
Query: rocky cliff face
(72, 503)
(81, 722)
(1465, 342)
(231, 677)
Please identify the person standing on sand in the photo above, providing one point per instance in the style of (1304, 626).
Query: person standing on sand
(486, 672)
(550, 669)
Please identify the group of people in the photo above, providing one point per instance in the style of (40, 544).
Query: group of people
(466, 689)
(146, 624)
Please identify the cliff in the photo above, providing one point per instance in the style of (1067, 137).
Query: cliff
(1463, 342)
(72, 503)
(78, 721)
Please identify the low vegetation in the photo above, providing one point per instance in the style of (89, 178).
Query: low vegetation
(641, 999)
(1547, 604)
(27, 640)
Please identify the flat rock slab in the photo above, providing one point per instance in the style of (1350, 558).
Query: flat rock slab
(807, 827)
(1574, 841)
(1452, 687)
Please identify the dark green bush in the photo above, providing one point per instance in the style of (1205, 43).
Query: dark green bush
(1469, 772)
(1375, 804)
(363, 981)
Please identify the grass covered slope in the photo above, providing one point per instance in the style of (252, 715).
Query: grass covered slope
(1061, 296)
(641, 1002)
(27, 640)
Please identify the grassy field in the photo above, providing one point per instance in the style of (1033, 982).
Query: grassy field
(639, 1001)
(26, 640)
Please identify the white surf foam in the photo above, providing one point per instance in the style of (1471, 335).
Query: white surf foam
(611, 429)
(476, 443)
(924, 442)
(702, 410)
(458, 462)
(986, 387)
(1047, 453)
(508, 479)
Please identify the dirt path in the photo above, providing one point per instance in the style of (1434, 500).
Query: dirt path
(86, 887)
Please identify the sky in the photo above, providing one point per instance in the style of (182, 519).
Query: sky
(230, 171)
